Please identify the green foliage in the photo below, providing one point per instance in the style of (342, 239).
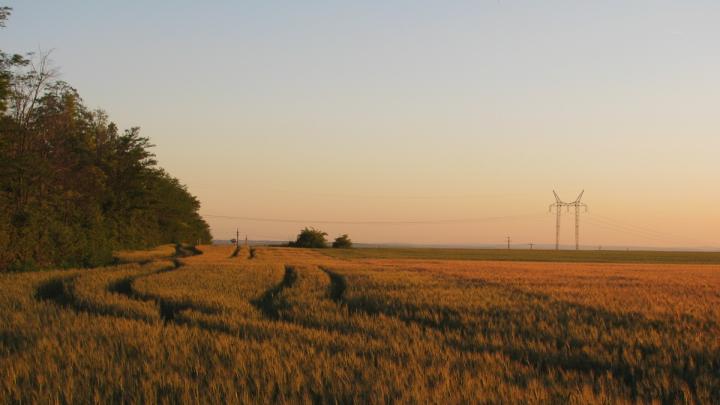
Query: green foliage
(310, 238)
(7, 63)
(72, 187)
(342, 242)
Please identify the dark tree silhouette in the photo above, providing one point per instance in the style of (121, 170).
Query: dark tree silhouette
(72, 187)
(342, 242)
(310, 238)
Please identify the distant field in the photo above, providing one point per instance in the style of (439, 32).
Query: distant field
(299, 326)
(582, 256)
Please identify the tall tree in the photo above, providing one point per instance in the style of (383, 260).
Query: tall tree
(72, 188)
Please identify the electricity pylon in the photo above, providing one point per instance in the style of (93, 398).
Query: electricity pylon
(558, 205)
(577, 204)
(558, 208)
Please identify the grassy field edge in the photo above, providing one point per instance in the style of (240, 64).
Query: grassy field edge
(526, 255)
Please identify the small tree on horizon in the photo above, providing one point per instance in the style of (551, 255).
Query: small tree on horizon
(342, 242)
(310, 238)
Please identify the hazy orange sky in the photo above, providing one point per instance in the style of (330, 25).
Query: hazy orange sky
(466, 114)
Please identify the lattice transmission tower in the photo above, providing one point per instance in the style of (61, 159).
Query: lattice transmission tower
(558, 205)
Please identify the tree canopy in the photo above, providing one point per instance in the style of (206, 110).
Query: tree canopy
(310, 238)
(342, 242)
(73, 187)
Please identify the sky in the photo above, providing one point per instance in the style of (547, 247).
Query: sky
(412, 121)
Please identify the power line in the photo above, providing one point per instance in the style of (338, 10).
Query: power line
(645, 229)
(376, 222)
(647, 233)
(594, 219)
(400, 196)
(626, 231)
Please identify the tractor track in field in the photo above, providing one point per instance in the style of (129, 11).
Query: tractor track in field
(338, 285)
(168, 309)
(573, 361)
(270, 303)
(61, 291)
(278, 304)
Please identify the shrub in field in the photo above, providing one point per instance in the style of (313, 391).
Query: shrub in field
(342, 242)
(310, 238)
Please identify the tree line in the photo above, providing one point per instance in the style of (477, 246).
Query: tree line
(316, 239)
(73, 187)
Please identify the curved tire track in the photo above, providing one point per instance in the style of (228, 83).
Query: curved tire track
(60, 290)
(338, 285)
(271, 302)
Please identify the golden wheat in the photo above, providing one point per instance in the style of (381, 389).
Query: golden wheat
(296, 326)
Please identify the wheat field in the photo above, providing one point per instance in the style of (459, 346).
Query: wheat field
(300, 326)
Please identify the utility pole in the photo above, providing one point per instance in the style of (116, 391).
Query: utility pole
(577, 204)
(558, 205)
(558, 211)
(508, 241)
(531, 245)
(237, 237)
